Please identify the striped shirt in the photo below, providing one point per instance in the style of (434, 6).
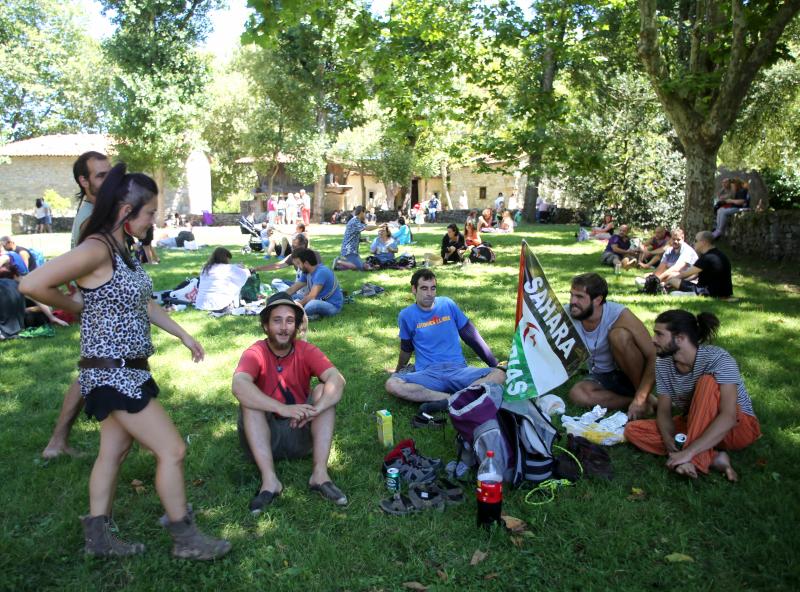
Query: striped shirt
(711, 360)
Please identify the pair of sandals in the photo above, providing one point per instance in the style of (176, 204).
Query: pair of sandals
(413, 467)
(424, 496)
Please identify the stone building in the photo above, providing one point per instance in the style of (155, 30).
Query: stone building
(30, 167)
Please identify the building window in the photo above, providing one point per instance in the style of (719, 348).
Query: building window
(371, 195)
(481, 192)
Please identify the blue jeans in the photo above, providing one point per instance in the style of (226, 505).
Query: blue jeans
(321, 308)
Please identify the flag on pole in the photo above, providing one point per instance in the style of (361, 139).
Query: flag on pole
(546, 349)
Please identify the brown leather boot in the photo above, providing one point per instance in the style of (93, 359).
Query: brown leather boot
(101, 542)
(190, 543)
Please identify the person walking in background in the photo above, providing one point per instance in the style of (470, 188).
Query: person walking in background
(43, 215)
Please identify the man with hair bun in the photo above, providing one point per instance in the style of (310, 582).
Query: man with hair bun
(702, 382)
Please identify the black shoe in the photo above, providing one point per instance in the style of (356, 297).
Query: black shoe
(262, 500)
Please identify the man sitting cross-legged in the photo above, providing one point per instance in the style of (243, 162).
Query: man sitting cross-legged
(280, 416)
(432, 328)
(704, 384)
(323, 297)
(622, 358)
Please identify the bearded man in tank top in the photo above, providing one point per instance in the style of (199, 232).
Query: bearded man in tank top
(622, 358)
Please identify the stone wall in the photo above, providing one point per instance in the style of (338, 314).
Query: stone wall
(23, 179)
(775, 235)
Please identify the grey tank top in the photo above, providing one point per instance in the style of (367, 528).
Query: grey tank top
(600, 358)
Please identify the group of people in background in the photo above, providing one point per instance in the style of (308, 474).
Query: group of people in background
(290, 209)
(677, 267)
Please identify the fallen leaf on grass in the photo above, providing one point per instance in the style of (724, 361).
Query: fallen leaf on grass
(138, 486)
(637, 495)
(515, 525)
(442, 575)
(679, 558)
(136, 483)
(516, 541)
(490, 576)
(477, 557)
(415, 586)
(198, 482)
(761, 462)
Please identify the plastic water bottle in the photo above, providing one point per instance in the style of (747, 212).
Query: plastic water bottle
(490, 491)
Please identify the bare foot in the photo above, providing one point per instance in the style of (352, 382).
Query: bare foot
(687, 470)
(55, 450)
(722, 463)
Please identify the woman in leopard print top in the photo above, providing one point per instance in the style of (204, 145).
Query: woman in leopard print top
(117, 311)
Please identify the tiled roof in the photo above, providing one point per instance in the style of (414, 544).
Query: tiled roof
(58, 145)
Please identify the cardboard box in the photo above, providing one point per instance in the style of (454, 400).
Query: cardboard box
(385, 430)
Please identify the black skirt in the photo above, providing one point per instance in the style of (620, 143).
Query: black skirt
(101, 401)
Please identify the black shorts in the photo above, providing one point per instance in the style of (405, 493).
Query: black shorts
(101, 401)
(615, 381)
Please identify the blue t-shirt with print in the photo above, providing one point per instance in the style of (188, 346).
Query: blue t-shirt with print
(323, 276)
(434, 332)
(352, 232)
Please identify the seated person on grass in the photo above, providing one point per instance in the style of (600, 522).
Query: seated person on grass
(710, 275)
(348, 256)
(403, 233)
(432, 329)
(453, 245)
(506, 222)
(619, 251)
(384, 247)
(703, 384)
(18, 312)
(727, 207)
(323, 296)
(486, 221)
(471, 236)
(605, 230)
(653, 248)
(280, 415)
(622, 358)
(678, 256)
(12, 247)
(220, 282)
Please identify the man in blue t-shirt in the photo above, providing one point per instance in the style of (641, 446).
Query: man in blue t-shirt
(324, 297)
(432, 328)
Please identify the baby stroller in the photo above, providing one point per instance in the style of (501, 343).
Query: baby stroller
(254, 241)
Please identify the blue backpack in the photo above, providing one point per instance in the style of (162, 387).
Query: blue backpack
(37, 257)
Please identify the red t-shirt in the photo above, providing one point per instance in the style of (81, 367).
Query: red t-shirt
(293, 381)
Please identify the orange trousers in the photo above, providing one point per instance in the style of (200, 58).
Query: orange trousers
(644, 433)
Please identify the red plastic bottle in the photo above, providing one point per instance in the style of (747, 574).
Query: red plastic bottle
(490, 491)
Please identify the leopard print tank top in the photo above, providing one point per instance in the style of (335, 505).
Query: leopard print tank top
(115, 324)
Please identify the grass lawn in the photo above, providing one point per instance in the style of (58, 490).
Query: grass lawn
(594, 536)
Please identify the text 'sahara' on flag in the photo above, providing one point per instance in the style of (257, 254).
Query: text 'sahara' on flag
(546, 349)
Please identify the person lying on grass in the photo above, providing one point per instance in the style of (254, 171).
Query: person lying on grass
(704, 384)
(431, 329)
(280, 415)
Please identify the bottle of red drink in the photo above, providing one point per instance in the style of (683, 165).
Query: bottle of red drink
(490, 491)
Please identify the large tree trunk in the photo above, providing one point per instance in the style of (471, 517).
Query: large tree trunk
(532, 187)
(160, 177)
(445, 188)
(701, 167)
(363, 187)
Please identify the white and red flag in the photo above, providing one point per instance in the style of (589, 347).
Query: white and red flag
(546, 349)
